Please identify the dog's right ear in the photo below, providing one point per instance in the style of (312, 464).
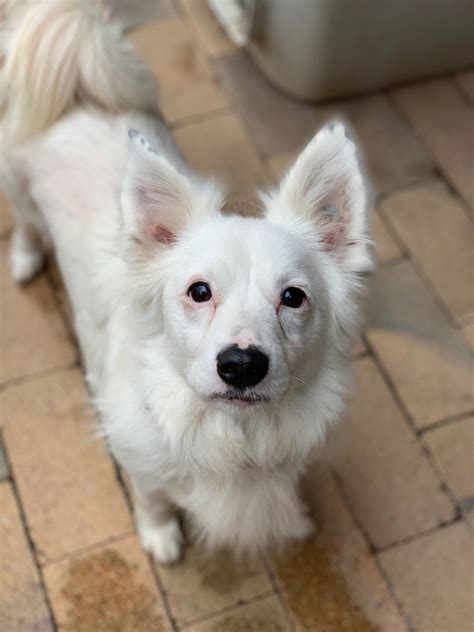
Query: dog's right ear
(158, 200)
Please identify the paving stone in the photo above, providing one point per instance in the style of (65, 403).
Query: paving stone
(22, 602)
(203, 584)
(220, 148)
(468, 331)
(332, 583)
(432, 578)
(206, 28)
(265, 615)
(444, 120)
(393, 155)
(386, 248)
(33, 338)
(387, 479)
(65, 478)
(426, 359)
(440, 237)
(110, 588)
(452, 447)
(6, 221)
(185, 81)
(276, 123)
(465, 81)
(469, 520)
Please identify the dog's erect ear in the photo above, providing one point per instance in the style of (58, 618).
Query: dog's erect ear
(158, 200)
(325, 187)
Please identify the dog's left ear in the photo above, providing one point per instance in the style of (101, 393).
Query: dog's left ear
(325, 188)
(157, 200)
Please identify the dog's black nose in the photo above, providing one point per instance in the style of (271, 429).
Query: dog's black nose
(242, 367)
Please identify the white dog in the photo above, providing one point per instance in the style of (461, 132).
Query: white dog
(217, 347)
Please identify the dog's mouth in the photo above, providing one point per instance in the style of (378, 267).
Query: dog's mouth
(241, 398)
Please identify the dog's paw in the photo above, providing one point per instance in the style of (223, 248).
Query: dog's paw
(25, 263)
(165, 543)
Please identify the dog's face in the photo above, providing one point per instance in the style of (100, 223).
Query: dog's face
(248, 306)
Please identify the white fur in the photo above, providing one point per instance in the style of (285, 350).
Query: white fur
(150, 352)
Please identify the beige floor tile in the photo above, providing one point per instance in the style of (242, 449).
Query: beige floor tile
(465, 81)
(469, 520)
(276, 123)
(279, 165)
(206, 28)
(444, 121)
(393, 155)
(452, 447)
(6, 221)
(65, 478)
(332, 583)
(22, 602)
(107, 589)
(220, 148)
(440, 237)
(201, 585)
(33, 338)
(265, 615)
(426, 359)
(432, 578)
(468, 332)
(386, 248)
(185, 82)
(388, 481)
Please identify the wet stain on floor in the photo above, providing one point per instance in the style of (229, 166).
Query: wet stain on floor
(317, 594)
(105, 596)
(222, 573)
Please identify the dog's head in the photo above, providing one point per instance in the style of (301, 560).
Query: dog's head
(248, 308)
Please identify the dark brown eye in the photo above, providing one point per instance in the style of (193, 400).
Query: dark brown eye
(293, 297)
(200, 292)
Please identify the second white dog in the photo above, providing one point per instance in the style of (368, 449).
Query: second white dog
(217, 348)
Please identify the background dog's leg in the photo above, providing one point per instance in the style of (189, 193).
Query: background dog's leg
(158, 525)
(29, 236)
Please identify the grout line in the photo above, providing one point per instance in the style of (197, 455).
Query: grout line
(26, 379)
(279, 593)
(88, 549)
(227, 609)
(200, 118)
(451, 320)
(445, 422)
(418, 536)
(408, 419)
(360, 527)
(439, 168)
(161, 589)
(419, 183)
(464, 95)
(26, 530)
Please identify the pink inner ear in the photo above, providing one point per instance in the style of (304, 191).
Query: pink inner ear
(163, 235)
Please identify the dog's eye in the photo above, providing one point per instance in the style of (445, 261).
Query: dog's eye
(293, 297)
(199, 292)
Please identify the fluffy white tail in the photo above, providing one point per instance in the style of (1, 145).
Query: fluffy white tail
(62, 52)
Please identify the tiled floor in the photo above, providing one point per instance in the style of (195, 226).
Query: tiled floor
(394, 499)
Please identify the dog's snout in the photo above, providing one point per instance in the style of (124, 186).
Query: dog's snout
(242, 367)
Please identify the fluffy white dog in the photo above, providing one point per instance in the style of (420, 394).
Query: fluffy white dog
(217, 347)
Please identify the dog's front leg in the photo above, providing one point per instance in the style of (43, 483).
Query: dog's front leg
(157, 524)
